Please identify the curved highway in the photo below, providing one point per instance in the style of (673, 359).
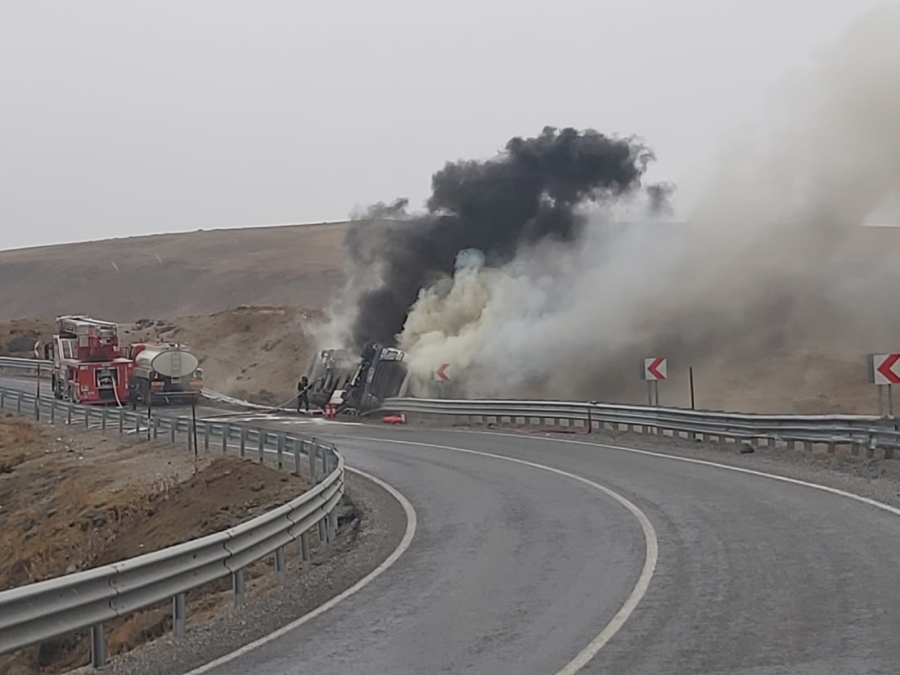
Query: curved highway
(516, 570)
(540, 565)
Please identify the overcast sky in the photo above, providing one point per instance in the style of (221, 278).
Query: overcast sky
(136, 118)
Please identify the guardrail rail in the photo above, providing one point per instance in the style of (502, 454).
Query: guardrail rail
(854, 431)
(86, 600)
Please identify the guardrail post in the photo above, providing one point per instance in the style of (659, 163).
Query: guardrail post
(238, 584)
(279, 565)
(2, 400)
(280, 450)
(304, 550)
(296, 443)
(155, 428)
(121, 420)
(323, 532)
(178, 615)
(37, 410)
(333, 525)
(69, 413)
(104, 414)
(262, 445)
(98, 646)
(52, 410)
(226, 432)
(19, 404)
(313, 449)
(173, 427)
(243, 441)
(87, 418)
(206, 437)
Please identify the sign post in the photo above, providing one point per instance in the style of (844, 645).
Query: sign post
(691, 375)
(884, 370)
(654, 370)
(441, 376)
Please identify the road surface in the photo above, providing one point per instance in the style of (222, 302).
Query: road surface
(516, 569)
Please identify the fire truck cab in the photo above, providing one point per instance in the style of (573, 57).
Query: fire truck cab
(88, 366)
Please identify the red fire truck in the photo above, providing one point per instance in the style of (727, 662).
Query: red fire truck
(88, 366)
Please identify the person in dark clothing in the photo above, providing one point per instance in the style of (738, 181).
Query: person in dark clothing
(303, 393)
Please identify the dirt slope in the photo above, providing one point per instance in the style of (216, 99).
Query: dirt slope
(174, 274)
(70, 501)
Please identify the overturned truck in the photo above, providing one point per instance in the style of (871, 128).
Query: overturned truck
(356, 385)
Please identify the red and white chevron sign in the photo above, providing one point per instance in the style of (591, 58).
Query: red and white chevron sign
(655, 368)
(886, 368)
(441, 374)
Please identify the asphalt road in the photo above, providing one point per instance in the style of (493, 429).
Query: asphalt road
(517, 569)
(754, 576)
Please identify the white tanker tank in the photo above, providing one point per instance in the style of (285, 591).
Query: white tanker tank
(166, 360)
(167, 372)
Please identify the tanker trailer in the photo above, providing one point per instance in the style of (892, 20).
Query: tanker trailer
(168, 373)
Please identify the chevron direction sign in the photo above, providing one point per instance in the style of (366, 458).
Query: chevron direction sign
(655, 369)
(884, 368)
(441, 374)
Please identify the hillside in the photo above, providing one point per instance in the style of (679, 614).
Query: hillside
(242, 298)
(175, 274)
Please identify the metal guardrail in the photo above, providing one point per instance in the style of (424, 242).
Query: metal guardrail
(23, 364)
(855, 431)
(38, 611)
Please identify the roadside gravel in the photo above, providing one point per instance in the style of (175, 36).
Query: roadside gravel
(362, 545)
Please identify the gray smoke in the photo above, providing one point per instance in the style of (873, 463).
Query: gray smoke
(567, 305)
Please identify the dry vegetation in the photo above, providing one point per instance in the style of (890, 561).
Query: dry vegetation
(73, 502)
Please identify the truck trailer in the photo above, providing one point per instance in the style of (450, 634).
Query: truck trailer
(357, 384)
(163, 373)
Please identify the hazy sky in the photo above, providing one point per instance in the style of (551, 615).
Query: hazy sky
(135, 118)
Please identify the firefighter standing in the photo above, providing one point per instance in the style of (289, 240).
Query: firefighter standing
(303, 393)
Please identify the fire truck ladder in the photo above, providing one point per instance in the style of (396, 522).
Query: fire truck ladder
(81, 325)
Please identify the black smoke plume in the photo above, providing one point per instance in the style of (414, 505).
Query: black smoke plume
(526, 194)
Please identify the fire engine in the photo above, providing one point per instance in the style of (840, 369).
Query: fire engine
(88, 366)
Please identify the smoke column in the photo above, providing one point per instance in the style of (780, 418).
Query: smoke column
(515, 277)
(526, 195)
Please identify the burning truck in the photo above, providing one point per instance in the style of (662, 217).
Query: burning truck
(357, 384)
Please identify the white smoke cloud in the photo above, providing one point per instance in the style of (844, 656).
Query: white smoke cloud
(767, 257)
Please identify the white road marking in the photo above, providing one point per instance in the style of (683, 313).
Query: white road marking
(702, 462)
(411, 524)
(651, 553)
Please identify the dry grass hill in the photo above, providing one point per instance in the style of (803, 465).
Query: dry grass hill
(174, 274)
(241, 299)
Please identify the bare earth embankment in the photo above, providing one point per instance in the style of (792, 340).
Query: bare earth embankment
(70, 501)
(242, 298)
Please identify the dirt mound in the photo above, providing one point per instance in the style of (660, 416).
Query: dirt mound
(77, 501)
(254, 353)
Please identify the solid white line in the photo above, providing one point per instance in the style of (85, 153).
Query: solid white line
(650, 556)
(702, 462)
(411, 523)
